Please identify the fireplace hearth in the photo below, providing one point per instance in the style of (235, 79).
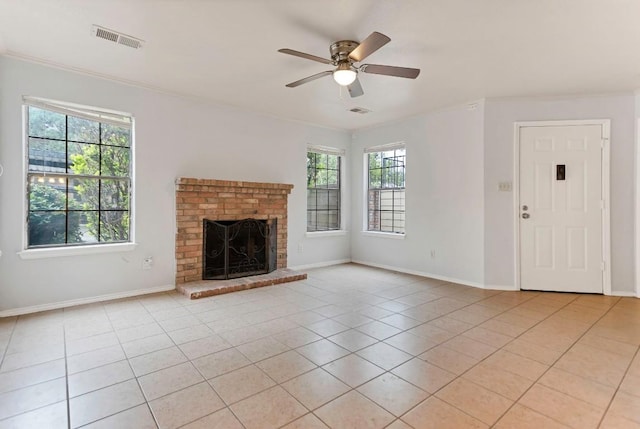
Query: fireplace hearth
(233, 249)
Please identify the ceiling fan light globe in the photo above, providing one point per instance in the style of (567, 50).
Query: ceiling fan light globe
(344, 77)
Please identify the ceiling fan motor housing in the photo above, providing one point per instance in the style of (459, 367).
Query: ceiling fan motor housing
(340, 50)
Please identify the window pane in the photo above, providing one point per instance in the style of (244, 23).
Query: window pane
(321, 178)
(322, 198)
(114, 226)
(47, 228)
(375, 178)
(47, 193)
(386, 200)
(47, 124)
(114, 195)
(83, 194)
(83, 227)
(115, 161)
(311, 199)
(332, 162)
(324, 220)
(333, 219)
(83, 130)
(47, 155)
(399, 200)
(117, 136)
(311, 177)
(374, 160)
(311, 220)
(332, 178)
(333, 199)
(84, 159)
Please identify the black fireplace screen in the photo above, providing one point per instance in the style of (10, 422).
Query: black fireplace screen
(242, 248)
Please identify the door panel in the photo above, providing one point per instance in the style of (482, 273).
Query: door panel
(561, 228)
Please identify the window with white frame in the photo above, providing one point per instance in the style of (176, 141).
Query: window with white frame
(79, 175)
(323, 188)
(386, 188)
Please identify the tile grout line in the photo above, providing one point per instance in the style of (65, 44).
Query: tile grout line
(549, 366)
(66, 369)
(35, 384)
(6, 349)
(413, 357)
(132, 372)
(135, 376)
(608, 407)
(480, 361)
(554, 362)
(195, 367)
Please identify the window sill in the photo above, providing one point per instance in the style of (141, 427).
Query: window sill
(317, 234)
(392, 235)
(55, 252)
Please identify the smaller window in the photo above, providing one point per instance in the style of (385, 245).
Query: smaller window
(323, 190)
(386, 189)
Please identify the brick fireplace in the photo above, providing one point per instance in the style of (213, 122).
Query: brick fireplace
(199, 199)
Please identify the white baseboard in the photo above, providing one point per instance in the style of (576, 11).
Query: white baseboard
(422, 274)
(82, 301)
(320, 264)
(501, 287)
(624, 293)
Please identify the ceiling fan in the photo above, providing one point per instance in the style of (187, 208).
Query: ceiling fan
(344, 55)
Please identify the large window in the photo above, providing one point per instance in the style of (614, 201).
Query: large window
(323, 189)
(78, 175)
(386, 180)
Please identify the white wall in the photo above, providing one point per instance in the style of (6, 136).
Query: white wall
(500, 116)
(444, 196)
(174, 137)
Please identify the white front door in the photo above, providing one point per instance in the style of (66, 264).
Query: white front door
(561, 208)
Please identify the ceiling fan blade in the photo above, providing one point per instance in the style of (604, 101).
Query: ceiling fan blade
(390, 70)
(368, 46)
(306, 56)
(309, 78)
(355, 89)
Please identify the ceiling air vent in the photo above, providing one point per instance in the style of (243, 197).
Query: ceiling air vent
(360, 110)
(115, 37)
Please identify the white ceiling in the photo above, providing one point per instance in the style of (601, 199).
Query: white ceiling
(226, 50)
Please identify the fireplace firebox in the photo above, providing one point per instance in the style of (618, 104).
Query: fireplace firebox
(242, 248)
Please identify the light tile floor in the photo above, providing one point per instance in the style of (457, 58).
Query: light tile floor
(351, 347)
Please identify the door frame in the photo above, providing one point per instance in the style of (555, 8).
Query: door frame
(605, 171)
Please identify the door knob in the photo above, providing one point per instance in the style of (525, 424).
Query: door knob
(525, 215)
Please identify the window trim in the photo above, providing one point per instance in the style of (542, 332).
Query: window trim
(341, 153)
(365, 198)
(383, 234)
(93, 113)
(87, 249)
